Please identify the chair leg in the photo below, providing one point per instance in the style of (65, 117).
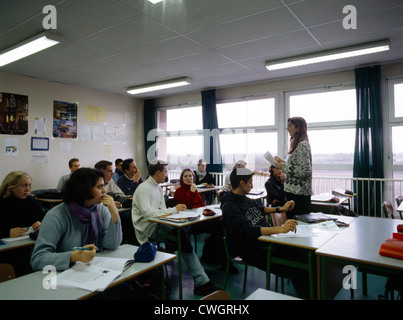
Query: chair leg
(364, 284)
(226, 275)
(244, 277)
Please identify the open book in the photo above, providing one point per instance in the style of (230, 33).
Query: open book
(93, 276)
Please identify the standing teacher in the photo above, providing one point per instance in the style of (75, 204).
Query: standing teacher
(298, 167)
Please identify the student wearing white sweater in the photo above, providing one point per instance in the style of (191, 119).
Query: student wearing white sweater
(148, 202)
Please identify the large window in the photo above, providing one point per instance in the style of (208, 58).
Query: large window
(396, 123)
(180, 140)
(331, 117)
(248, 130)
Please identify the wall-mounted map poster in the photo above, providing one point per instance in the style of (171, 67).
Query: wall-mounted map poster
(64, 120)
(13, 114)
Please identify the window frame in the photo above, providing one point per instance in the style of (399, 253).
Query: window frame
(320, 126)
(256, 129)
(392, 122)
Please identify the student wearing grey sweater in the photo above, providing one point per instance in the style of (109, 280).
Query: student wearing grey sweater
(87, 218)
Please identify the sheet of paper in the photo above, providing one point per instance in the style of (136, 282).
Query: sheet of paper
(186, 214)
(15, 239)
(311, 230)
(268, 156)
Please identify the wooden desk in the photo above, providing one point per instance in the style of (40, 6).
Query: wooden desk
(309, 243)
(179, 226)
(30, 287)
(359, 246)
(262, 294)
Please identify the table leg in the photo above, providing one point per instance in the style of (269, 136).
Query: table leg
(180, 264)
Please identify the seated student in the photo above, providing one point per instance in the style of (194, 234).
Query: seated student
(18, 209)
(149, 202)
(187, 192)
(110, 186)
(275, 187)
(118, 170)
(227, 183)
(201, 174)
(18, 212)
(74, 164)
(244, 220)
(87, 218)
(131, 178)
(205, 178)
(213, 251)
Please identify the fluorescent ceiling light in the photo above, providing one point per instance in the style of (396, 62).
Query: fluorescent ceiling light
(159, 85)
(155, 1)
(30, 46)
(329, 55)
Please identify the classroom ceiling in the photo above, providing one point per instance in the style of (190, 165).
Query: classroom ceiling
(110, 45)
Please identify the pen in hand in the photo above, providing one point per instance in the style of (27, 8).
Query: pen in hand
(82, 248)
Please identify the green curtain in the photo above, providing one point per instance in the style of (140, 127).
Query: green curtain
(368, 154)
(150, 126)
(212, 150)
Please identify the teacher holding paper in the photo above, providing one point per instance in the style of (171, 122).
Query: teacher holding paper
(298, 167)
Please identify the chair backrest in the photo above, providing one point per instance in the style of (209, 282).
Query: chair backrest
(387, 208)
(7, 272)
(278, 219)
(399, 200)
(217, 295)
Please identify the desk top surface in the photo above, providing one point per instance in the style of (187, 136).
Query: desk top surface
(310, 242)
(30, 287)
(201, 218)
(16, 244)
(361, 242)
(330, 203)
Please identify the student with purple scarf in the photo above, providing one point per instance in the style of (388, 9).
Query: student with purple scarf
(87, 218)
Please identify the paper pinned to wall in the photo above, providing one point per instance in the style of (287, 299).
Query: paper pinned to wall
(11, 147)
(114, 133)
(107, 150)
(130, 117)
(93, 113)
(96, 133)
(40, 125)
(85, 133)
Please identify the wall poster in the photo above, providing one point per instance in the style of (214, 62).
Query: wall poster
(13, 114)
(64, 120)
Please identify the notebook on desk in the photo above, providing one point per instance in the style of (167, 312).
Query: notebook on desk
(314, 217)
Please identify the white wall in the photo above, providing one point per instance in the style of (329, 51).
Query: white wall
(41, 95)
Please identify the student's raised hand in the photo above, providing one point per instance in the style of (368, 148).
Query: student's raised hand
(180, 207)
(83, 256)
